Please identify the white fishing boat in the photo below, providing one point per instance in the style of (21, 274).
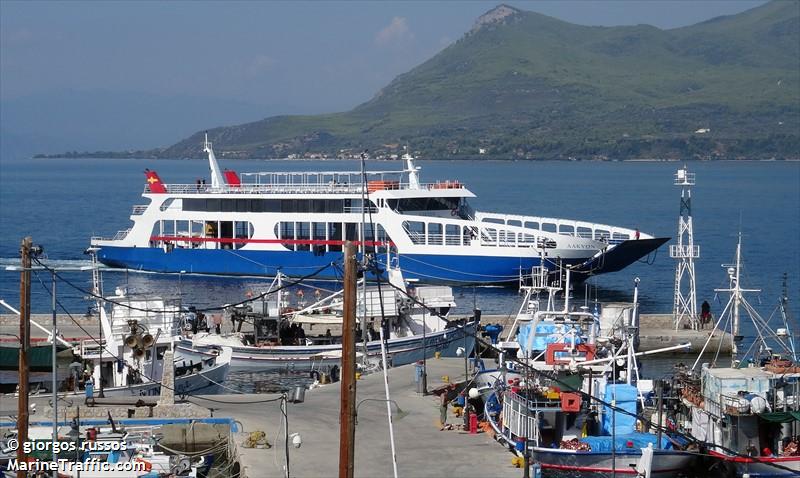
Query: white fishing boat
(414, 325)
(295, 223)
(137, 332)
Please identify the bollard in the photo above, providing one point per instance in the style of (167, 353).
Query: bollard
(473, 423)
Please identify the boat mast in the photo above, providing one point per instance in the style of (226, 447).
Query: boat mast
(364, 205)
(216, 176)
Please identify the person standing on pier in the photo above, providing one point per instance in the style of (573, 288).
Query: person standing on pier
(217, 319)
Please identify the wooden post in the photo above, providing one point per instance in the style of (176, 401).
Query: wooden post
(25, 345)
(347, 427)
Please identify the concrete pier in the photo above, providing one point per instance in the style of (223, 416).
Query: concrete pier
(422, 450)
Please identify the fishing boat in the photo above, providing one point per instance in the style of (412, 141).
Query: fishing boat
(414, 324)
(572, 398)
(748, 413)
(137, 334)
(295, 223)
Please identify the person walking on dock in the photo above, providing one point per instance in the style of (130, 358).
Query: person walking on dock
(444, 401)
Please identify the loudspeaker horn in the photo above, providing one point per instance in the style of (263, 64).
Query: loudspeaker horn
(147, 340)
(132, 341)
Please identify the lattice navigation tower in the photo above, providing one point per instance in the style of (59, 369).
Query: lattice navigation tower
(685, 252)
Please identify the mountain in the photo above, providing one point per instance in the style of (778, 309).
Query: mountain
(524, 85)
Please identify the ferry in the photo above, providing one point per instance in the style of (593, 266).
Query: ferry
(295, 223)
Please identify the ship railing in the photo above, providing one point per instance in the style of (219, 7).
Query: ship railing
(519, 414)
(567, 227)
(120, 235)
(359, 209)
(301, 187)
(139, 209)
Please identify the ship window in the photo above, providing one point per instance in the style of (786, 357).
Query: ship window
(566, 229)
(294, 205)
(549, 227)
(335, 234)
(600, 234)
(493, 220)
(226, 232)
(452, 236)
(166, 204)
(514, 222)
(415, 230)
(270, 205)
(197, 231)
(242, 205)
(242, 231)
(620, 237)
(213, 205)
(334, 205)
(531, 225)
(585, 232)
(319, 229)
(194, 205)
(424, 204)
(435, 234)
(228, 205)
(351, 231)
(318, 205)
(368, 232)
(303, 233)
(168, 228)
(286, 232)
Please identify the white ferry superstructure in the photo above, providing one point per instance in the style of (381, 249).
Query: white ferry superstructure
(258, 224)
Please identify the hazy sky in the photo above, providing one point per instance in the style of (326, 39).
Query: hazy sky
(253, 58)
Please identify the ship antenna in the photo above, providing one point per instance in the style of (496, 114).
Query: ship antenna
(412, 169)
(216, 175)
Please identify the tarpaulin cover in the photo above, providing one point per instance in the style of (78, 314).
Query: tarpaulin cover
(780, 417)
(628, 442)
(625, 396)
(546, 333)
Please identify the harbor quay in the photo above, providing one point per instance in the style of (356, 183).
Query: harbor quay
(422, 449)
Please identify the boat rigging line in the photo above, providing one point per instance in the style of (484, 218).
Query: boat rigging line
(205, 309)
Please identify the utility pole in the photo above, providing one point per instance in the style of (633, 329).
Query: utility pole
(347, 426)
(25, 344)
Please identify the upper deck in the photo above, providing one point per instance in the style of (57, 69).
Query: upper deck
(319, 182)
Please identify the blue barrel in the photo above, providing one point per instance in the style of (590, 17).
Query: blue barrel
(520, 445)
(89, 388)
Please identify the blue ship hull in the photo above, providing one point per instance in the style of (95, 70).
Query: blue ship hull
(422, 267)
(427, 268)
